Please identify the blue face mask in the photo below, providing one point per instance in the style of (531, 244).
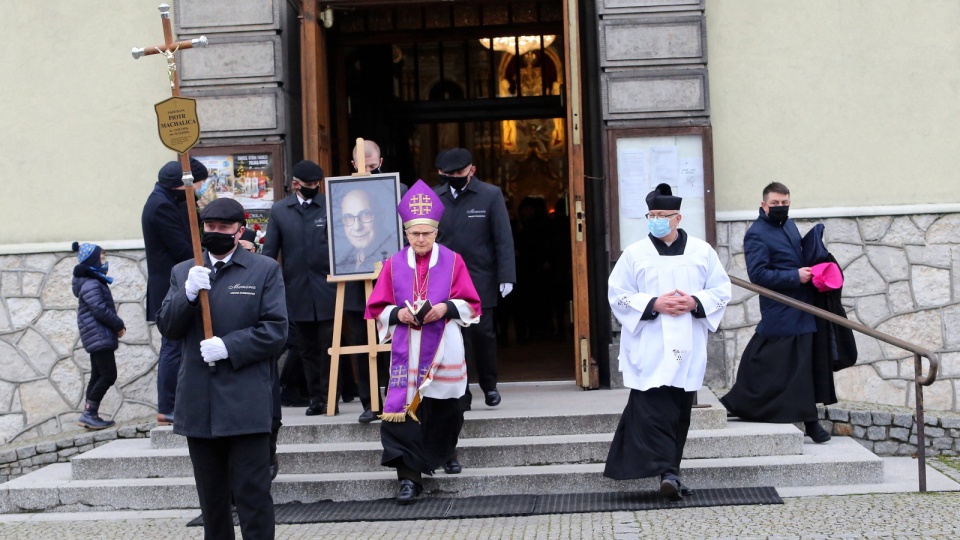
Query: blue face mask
(103, 268)
(659, 227)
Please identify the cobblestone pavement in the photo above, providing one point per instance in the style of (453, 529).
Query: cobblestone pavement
(905, 515)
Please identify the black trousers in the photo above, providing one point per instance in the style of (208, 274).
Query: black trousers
(103, 373)
(236, 466)
(480, 344)
(292, 376)
(315, 339)
(357, 335)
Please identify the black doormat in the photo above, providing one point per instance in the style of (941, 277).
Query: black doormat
(509, 505)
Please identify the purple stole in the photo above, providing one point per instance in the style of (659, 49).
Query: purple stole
(438, 291)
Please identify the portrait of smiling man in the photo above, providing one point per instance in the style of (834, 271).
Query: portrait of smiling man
(369, 239)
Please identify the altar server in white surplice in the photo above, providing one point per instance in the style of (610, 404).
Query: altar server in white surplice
(667, 290)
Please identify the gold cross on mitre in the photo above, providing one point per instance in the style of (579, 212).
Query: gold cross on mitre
(421, 204)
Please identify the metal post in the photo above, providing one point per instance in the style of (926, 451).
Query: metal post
(921, 439)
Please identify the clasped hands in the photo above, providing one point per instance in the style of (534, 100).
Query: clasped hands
(437, 312)
(674, 303)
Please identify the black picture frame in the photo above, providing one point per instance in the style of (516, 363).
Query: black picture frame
(356, 245)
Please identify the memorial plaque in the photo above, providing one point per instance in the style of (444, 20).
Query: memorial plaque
(177, 123)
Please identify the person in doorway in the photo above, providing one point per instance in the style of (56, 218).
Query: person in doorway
(224, 411)
(775, 381)
(167, 241)
(476, 224)
(423, 297)
(668, 291)
(297, 232)
(100, 328)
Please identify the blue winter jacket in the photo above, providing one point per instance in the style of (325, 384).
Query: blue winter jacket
(774, 256)
(97, 316)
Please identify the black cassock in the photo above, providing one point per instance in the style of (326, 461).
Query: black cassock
(425, 445)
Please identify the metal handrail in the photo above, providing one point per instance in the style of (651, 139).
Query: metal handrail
(919, 380)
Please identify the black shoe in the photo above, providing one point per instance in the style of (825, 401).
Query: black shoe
(465, 401)
(816, 432)
(367, 416)
(408, 492)
(348, 399)
(452, 467)
(491, 398)
(670, 490)
(684, 489)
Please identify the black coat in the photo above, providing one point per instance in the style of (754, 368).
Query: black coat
(97, 317)
(249, 313)
(299, 238)
(774, 256)
(476, 226)
(167, 241)
(834, 345)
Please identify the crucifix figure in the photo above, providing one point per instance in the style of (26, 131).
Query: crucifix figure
(168, 49)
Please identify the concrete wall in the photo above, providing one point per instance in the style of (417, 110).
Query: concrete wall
(79, 131)
(848, 102)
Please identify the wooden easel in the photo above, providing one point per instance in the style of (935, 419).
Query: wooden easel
(372, 347)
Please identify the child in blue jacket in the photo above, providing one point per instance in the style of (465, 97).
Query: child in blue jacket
(100, 328)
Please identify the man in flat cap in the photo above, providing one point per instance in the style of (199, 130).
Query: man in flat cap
(476, 225)
(297, 233)
(668, 291)
(225, 413)
(167, 241)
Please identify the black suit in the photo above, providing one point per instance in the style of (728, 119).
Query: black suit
(167, 241)
(476, 225)
(298, 236)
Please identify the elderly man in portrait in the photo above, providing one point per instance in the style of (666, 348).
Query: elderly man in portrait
(367, 244)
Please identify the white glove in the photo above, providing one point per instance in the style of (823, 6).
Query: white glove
(198, 278)
(505, 289)
(213, 349)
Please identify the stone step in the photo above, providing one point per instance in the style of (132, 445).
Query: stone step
(569, 416)
(135, 458)
(842, 461)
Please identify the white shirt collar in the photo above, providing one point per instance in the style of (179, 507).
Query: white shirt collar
(226, 258)
(301, 199)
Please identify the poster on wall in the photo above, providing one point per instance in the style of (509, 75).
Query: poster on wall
(252, 175)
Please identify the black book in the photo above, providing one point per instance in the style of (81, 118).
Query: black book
(420, 314)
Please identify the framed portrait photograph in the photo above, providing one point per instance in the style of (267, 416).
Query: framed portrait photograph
(364, 225)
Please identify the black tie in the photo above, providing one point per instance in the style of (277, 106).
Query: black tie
(305, 204)
(218, 266)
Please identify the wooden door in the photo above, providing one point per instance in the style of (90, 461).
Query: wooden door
(316, 92)
(587, 372)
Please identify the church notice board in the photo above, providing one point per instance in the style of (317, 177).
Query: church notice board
(641, 158)
(251, 174)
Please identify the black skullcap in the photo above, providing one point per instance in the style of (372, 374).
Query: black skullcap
(223, 209)
(308, 171)
(662, 198)
(171, 174)
(453, 160)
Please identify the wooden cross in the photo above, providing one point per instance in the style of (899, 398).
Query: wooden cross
(168, 50)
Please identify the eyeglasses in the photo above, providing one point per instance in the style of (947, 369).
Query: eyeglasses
(419, 235)
(349, 219)
(655, 216)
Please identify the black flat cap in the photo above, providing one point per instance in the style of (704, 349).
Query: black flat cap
(224, 209)
(307, 171)
(662, 198)
(171, 175)
(453, 160)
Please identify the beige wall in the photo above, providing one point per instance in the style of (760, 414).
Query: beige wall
(79, 134)
(848, 102)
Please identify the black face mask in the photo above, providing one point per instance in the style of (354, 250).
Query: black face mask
(778, 214)
(308, 193)
(218, 243)
(456, 182)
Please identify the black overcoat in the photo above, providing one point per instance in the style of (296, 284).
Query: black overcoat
(249, 313)
(298, 237)
(166, 240)
(476, 226)
(773, 256)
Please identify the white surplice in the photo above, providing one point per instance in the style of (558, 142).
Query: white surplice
(666, 350)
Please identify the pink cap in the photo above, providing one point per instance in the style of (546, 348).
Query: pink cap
(826, 276)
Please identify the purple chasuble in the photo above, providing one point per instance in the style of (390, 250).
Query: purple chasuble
(439, 279)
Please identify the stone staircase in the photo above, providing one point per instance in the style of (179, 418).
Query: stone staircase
(544, 439)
